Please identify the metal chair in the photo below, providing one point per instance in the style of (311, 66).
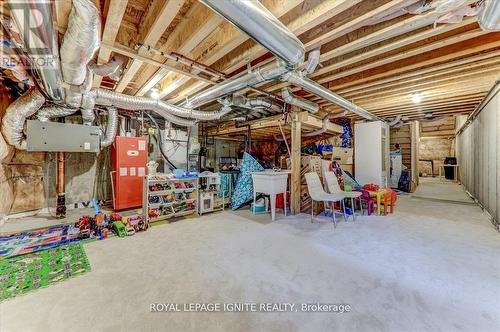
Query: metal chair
(334, 188)
(318, 194)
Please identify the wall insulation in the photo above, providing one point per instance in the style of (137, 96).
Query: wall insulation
(478, 147)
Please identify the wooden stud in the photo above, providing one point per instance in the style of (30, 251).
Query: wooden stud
(295, 160)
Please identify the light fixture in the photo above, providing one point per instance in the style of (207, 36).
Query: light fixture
(155, 93)
(416, 97)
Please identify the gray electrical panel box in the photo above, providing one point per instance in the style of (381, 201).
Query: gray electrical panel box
(61, 137)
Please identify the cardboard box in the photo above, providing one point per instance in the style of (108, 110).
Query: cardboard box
(342, 155)
(308, 164)
(346, 167)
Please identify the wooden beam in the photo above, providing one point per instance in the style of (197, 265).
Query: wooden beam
(317, 15)
(381, 60)
(121, 49)
(223, 40)
(353, 23)
(115, 13)
(63, 8)
(295, 159)
(199, 23)
(378, 49)
(160, 14)
(455, 51)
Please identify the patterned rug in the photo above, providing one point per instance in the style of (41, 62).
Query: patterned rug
(22, 274)
(35, 240)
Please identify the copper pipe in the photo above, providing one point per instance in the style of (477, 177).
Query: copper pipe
(60, 172)
(61, 196)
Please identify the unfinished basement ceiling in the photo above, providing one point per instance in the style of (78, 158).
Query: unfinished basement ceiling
(377, 65)
(373, 52)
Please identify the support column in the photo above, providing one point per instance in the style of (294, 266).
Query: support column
(415, 142)
(295, 160)
(61, 195)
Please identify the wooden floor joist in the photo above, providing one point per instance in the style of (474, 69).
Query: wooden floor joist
(375, 53)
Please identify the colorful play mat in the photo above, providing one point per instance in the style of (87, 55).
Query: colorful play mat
(21, 274)
(26, 242)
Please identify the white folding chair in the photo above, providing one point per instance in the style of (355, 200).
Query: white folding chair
(318, 194)
(333, 186)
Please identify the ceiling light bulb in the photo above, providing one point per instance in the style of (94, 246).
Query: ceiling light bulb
(416, 97)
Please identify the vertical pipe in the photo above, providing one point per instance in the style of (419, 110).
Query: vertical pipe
(61, 196)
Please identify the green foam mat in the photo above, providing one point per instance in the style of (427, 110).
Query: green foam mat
(22, 274)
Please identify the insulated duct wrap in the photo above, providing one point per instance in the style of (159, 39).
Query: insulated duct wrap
(112, 69)
(320, 91)
(251, 17)
(88, 116)
(111, 128)
(172, 113)
(304, 104)
(271, 71)
(39, 41)
(81, 40)
(16, 114)
(489, 17)
(51, 112)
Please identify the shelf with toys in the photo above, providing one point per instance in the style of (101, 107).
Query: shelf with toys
(168, 197)
(212, 198)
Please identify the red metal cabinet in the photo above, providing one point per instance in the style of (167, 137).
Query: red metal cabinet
(129, 158)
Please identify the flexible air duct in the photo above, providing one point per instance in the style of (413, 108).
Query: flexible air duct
(320, 91)
(304, 104)
(55, 111)
(39, 43)
(395, 121)
(168, 111)
(312, 61)
(251, 17)
(111, 128)
(111, 69)
(267, 72)
(489, 17)
(16, 114)
(81, 40)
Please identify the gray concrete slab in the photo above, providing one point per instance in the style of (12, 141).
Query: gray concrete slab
(432, 266)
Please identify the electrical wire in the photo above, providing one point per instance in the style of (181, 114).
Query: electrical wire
(159, 141)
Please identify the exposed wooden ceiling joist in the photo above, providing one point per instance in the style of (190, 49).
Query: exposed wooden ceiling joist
(159, 16)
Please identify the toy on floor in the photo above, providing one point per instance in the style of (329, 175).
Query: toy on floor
(389, 200)
(138, 223)
(119, 228)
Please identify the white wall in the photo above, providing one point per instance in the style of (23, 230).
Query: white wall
(478, 154)
(369, 154)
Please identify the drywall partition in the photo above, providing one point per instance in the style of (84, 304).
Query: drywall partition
(371, 151)
(478, 146)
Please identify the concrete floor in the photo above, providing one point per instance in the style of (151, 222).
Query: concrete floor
(433, 266)
(441, 189)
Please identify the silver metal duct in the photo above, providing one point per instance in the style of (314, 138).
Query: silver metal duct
(88, 116)
(271, 71)
(395, 121)
(320, 91)
(16, 114)
(51, 112)
(111, 69)
(305, 104)
(260, 24)
(172, 113)
(81, 40)
(111, 128)
(35, 24)
(312, 61)
(259, 104)
(489, 16)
